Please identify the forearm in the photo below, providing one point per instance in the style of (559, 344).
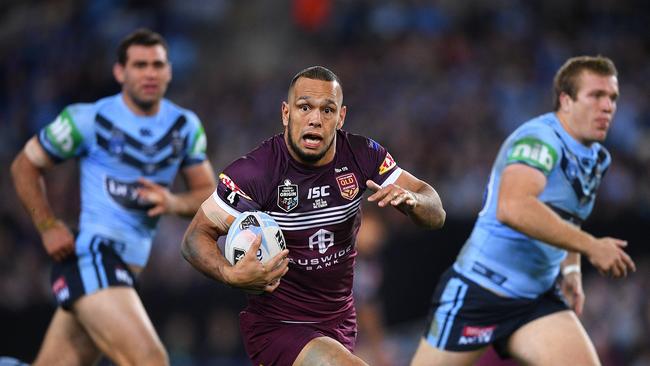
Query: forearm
(533, 218)
(199, 248)
(30, 187)
(187, 203)
(428, 211)
(571, 259)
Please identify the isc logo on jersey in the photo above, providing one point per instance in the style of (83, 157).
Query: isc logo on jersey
(245, 229)
(63, 134)
(534, 152)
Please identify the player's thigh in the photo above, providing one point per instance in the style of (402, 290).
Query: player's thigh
(66, 343)
(427, 355)
(554, 339)
(118, 323)
(325, 351)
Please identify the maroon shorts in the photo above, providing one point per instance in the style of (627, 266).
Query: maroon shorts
(273, 342)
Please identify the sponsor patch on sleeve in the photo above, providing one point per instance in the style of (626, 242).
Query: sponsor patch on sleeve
(200, 142)
(387, 164)
(533, 152)
(232, 187)
(64, 135)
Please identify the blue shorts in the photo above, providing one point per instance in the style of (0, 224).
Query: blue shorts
(273, 342)
(465, 316)
(89, 272)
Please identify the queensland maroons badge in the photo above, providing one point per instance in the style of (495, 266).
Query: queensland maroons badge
(348, 185)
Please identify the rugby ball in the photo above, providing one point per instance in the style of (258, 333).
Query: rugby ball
(243, 231)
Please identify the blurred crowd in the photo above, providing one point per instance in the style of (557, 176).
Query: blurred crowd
(439, 83)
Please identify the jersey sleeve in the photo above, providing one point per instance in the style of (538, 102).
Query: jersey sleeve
(537, 147)
(377, 163)
(239, 187)
(69, 134)
(197, 142)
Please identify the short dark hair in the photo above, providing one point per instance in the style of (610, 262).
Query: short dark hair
(316, 73)
(141, 37)
(566, 78)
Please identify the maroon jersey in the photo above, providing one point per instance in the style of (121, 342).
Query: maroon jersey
(318, 211)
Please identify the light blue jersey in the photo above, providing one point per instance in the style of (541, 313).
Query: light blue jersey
(115, 148)
(507, 261)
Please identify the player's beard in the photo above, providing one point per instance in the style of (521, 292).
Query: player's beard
(145, 105)
(304, 156)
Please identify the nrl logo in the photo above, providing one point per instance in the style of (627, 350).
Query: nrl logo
(288, 196)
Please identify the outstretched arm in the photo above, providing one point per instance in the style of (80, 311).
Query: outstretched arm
(199, 247)
(520, 208)
(414, 197)
(27, 174)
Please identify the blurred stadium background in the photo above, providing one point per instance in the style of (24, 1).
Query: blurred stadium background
(439, 83)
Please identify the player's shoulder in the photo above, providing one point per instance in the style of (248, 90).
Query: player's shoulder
(175, 110)
(359, 143)
(255, 172)
(543, 127)
(536, 143)
(87, 111)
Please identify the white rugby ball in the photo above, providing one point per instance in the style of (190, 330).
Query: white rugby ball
(245, 229)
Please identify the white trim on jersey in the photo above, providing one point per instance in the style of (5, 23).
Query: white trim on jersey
(224, 206)
(392, 177)
(318, 223)
(316, 213)
(307, 220)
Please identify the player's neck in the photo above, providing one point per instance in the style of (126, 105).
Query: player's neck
(141, 109)
(567, 125)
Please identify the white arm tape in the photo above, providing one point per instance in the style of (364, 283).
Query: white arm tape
(570, 269)
(215, 214)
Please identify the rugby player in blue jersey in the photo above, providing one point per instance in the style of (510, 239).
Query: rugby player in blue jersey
(502, 289)
(130, 147)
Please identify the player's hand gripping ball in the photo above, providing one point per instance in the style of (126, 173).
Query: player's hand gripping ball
(245, 229)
